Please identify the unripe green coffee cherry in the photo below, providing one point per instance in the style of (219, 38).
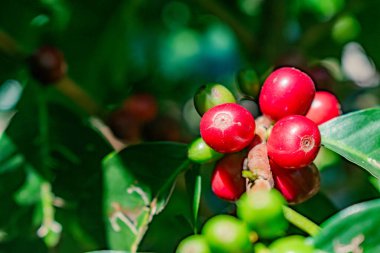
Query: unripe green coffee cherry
(210, 95)
(199, 152)
(227, 234)
(248, 82)
(263, 212)
(250, 105)
(193, 244)
(291, 244)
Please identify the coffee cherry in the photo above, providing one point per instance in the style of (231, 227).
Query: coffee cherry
(325, 106)
(193, 244)
(200, 152)
(227, 234)
(226, 181)
(287, 91)
(163, 128)
(322, 77)
(211, 95)
(142, 106)
(291, 244)
(124, 126)
(248, 82)
(296, 186)
(47, 65)
(263, 212)
(227, 128)
(250, 105)
(294, 142)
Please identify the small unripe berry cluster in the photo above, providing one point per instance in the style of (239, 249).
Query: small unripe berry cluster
(259, 214)
(274, 150)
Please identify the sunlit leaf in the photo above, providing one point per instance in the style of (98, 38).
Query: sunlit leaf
(194, 189)
(356, 137)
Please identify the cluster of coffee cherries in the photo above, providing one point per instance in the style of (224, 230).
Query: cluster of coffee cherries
(259, 214)
(261, 162)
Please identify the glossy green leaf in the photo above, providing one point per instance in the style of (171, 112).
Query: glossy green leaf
(12, 167)
(375, 182)
(108, 251)
(65, 150)
(15, 219)
(356, 137)
(194, 189)
(138, 184)
(355, 229)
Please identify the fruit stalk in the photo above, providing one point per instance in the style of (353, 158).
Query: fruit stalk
(69, 88)
(301, 221)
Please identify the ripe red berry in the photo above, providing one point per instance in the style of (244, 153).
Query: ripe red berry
(124, 126)
(227, 128)
(163, 128)
(227, 182)
(294, 142)
(296, 185)
(322, 77)
(47, 65)
(287, 91)
(142, 106)
(325, 106)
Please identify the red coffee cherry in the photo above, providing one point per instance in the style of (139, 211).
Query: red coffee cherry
(227, 128)
(142, 106)
(322, 77)
(124, 126)
(163, 128)
(287, 91)
(325, 106)
(47, 65)
(294, 142)
(296, 186)
(227, 182)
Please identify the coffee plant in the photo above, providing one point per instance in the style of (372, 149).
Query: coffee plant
(189, 127)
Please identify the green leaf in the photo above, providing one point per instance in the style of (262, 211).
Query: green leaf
(354, 228)
(194, 188)
(108, 251)
(375, 182)
(65, 150)
(138, 184)
(356, 137)
(12, 167)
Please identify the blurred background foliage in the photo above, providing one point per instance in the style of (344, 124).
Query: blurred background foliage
(116, 48)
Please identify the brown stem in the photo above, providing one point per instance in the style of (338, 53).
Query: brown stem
(69, 88)
(9, 46)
